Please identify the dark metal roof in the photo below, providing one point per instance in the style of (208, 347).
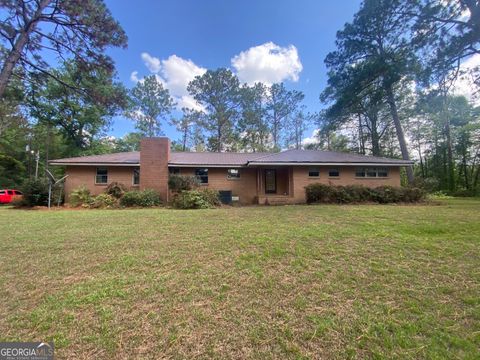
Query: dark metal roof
(124, 158)
(314, 156)
(213, 159)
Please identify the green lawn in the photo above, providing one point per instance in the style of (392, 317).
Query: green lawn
(360, 281)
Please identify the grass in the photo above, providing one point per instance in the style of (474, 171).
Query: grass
(327, 281)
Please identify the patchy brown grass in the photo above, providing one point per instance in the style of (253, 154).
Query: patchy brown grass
(364, 281)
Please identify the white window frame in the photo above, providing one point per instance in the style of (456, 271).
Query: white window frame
(371, 169)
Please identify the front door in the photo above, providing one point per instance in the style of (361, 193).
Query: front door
(270, 181)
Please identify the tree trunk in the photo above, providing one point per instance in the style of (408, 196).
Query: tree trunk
(399, 130)
(450, 165)
(375, 137)
(19, 45)
(361, 140)
(465, 171)
(185, 134)
(219, 139)
(422, 167)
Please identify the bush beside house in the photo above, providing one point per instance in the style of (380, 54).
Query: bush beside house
(144, 198)
(35, 193)
(115, 196)
(178, 183)
(320, 193)
(187, 195)
(196, 199)
(80, 197)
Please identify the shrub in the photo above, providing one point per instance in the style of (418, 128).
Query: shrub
(412, 194)
(359, 193)
(144, 198)
(211, 196)
(103, 201)
(178, 183)
(116, 189)
(429, 185)
(320, 193)
(196, 199)
(387, 194)
(464, 193)
(35, 193)
(80, 196)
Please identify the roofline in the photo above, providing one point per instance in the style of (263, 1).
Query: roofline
(93, 164)
(207, 165)
(251, 163)
(138, 164)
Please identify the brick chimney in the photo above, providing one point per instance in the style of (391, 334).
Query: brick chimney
(154, 156)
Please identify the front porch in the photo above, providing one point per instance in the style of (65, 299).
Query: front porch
(275, 185)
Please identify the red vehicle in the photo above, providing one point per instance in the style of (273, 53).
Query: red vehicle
(8, 195)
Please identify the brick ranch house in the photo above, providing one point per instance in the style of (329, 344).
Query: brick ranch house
(253, 178)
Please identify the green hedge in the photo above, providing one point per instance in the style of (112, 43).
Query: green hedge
(320, 193)
(144, 198)
(196, 199)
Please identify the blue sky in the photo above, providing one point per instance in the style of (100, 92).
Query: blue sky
(267, 40)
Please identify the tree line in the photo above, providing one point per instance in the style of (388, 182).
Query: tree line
(391, 89)
(390, 92)
(230, 116)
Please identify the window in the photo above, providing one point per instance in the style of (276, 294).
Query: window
(202, 175)
(2, 192)
(360, 172)
(233, 174)
(313, 172)
(18, 192)
(173, 170)
(102, 176)
(136, 176)
(372, 172)
(10, 192)
(382, 172)
(333, 173)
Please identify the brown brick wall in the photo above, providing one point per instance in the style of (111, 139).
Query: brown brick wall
(85, 176)
(347, 177)
(244, 188)
(154, 156)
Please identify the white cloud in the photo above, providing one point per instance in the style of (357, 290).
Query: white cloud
(151, 62)
(268, 63)
(134, 76)
(178, 72)
(188, 101)
(174, 73)
(311, 139)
